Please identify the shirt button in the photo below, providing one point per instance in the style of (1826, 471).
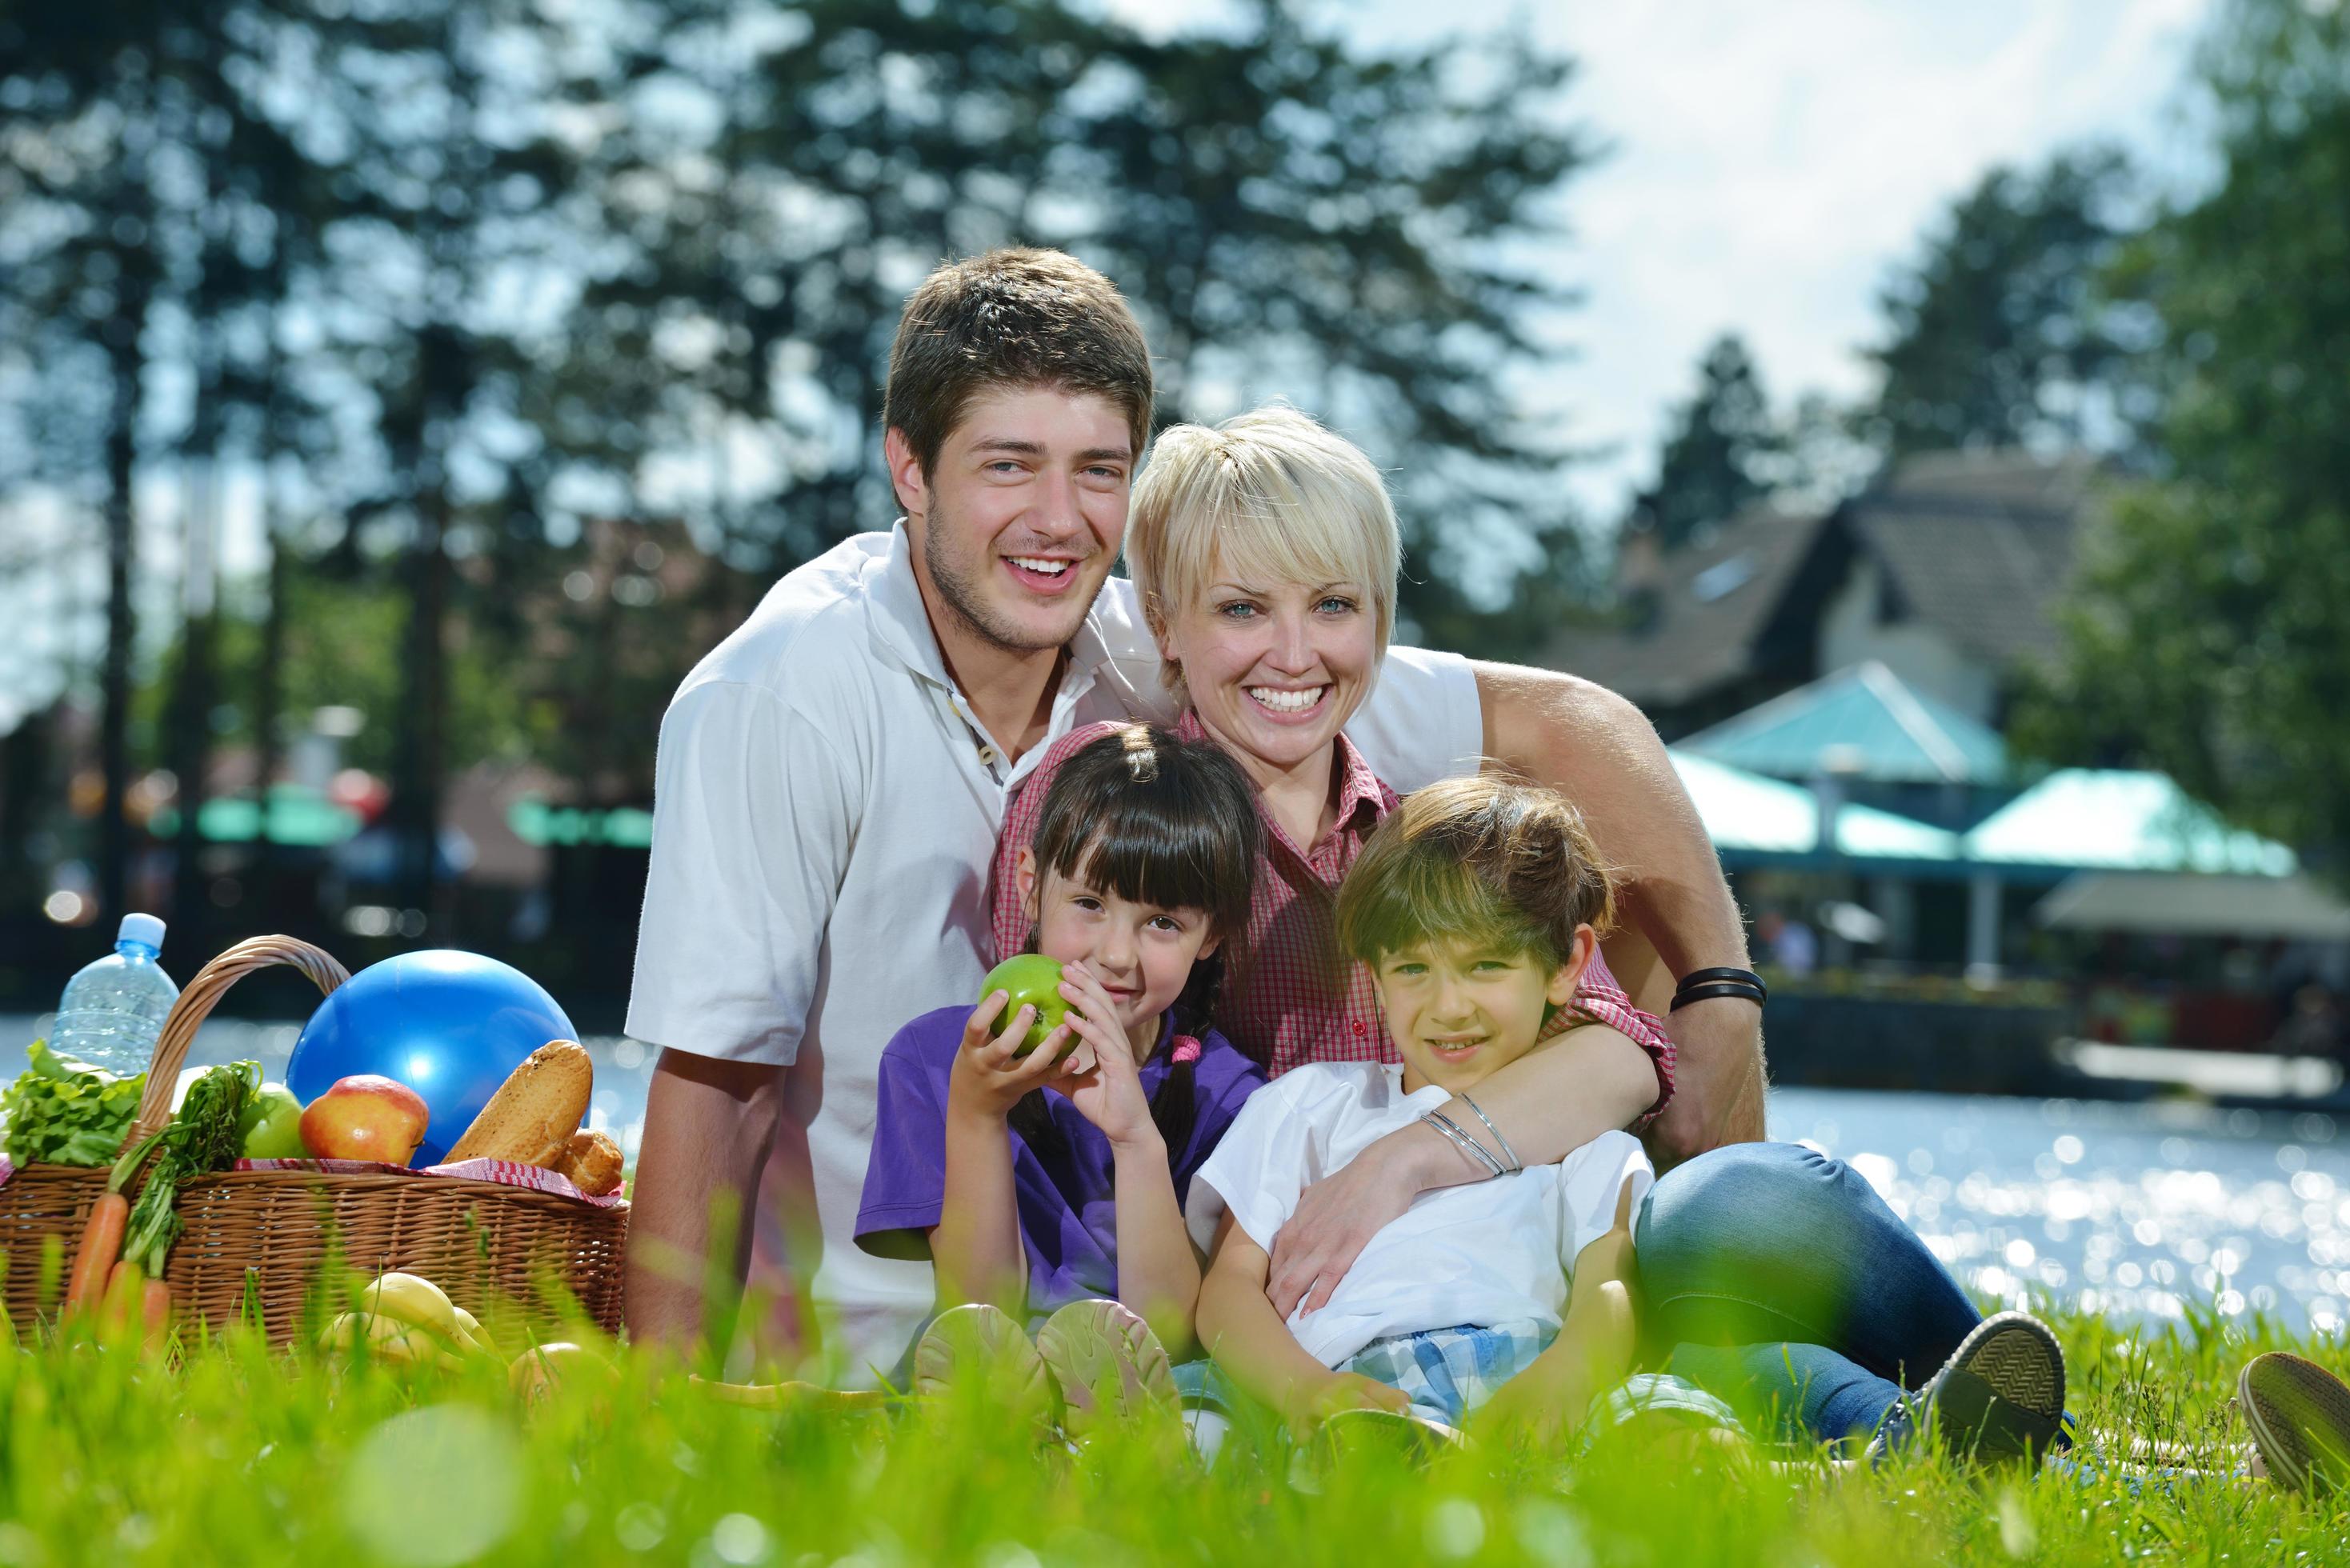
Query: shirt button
(1359, 1027)
(987, 755)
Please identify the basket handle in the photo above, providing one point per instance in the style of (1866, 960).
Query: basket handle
(196, 1003)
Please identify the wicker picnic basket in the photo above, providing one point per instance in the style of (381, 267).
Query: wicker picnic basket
(258, 1239)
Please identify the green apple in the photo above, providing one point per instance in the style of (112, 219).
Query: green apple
(273, 1125)
(1034, 981)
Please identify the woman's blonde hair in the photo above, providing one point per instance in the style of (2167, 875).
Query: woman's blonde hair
(1269, 495)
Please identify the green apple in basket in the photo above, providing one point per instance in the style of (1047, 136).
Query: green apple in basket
(270, 1127)
(1034, 981)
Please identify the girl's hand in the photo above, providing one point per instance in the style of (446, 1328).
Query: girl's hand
(988, 1079)
(1106, 1087)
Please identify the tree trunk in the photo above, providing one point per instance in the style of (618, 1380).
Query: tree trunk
(125, 362)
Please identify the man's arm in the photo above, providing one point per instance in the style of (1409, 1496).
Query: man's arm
(709, 1126)
(1601, 752)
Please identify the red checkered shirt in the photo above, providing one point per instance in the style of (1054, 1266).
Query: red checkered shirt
(1289, 996)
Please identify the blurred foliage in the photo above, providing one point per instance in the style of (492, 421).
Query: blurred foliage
(1717, 459)
(464, 282)
(2000, 333)
(2207, 638)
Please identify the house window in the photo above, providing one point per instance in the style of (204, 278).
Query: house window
(1722, 579)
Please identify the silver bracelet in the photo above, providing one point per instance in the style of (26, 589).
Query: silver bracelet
(1508, 1153)
(1467, 1146)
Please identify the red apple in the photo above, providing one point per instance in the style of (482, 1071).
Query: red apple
(366, 1116)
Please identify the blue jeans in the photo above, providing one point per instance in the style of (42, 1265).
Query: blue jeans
(1796, 1391)
(1785, 1252)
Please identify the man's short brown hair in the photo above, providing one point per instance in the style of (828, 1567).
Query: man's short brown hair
(1480, 860)
(1012, 318)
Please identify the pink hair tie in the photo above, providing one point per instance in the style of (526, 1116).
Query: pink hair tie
(1186, 1050)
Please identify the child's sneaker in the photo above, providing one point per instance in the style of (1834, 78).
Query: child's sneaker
(2300, 1416)
(1999, 1397)
(980, 1344)
(1417, 1439)
(1107, 1362)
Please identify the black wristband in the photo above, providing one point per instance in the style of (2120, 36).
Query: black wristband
(1697, 977)
(1719, 989)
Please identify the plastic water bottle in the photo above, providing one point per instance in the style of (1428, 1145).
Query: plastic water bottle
(113, 1009)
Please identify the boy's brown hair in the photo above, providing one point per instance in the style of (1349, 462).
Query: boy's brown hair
(1014, 317)
(1479, 860)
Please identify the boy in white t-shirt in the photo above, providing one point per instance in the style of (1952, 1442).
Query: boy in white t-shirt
(1475, 904)
(1510, 1299)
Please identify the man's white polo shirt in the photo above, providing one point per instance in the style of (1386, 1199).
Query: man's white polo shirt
(825, 807)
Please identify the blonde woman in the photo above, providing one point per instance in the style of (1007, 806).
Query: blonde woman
(1265, 552)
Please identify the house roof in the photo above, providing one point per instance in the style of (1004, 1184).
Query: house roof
(1976, 544)
(1712, 602)
(1755, 819)
(1972, 543)
(1865, 720)
(2109, 820)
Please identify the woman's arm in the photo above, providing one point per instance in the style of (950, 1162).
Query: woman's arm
(1548, 1103)
(1253, 1346)
(1601, 752)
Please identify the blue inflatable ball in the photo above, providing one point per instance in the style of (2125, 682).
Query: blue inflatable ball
(451, 1025)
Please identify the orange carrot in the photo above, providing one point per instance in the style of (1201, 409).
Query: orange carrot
(119, 1308)
(101, 1241)
(154, 1315)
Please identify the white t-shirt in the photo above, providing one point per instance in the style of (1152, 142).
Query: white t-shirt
(824, 813)
(1501, 1251)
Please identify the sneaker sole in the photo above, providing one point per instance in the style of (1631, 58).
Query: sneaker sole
(980, 1342)
(2017, 1360)
(2299, 1415)
(1107, 1362)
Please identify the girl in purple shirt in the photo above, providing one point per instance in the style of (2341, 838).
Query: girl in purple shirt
(1054, 1182)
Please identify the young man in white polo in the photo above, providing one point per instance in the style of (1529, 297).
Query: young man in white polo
(832, 777)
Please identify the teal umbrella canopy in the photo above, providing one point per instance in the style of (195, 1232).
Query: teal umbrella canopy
(1863, 722)
(1748, 816)
(2095, 819)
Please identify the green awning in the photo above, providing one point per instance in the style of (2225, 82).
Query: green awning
(1755, 819)
(298, 816)
(535, 822)
(1863, 722)
(2101, 820)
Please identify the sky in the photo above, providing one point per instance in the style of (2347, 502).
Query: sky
(1770, 165)
(1767, 167)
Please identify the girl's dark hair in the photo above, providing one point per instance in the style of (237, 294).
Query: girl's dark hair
(1156, 819)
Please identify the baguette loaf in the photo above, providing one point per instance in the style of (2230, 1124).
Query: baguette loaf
(592, 1162)
(531, 1118)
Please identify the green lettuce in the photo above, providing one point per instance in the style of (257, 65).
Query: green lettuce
(61, 1112)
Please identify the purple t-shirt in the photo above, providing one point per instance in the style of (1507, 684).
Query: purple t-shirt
(1069, 1212)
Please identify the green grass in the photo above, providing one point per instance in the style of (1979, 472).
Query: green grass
(238, 1454)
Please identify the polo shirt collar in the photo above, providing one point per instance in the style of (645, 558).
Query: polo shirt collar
(901, 622)
(1358, 787)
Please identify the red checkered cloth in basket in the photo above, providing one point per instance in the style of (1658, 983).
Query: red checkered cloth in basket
(503, 1172)
(1289, 996)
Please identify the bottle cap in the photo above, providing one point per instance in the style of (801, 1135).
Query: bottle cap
(145, 929)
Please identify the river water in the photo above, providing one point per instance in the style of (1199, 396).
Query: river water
(2138, 1210)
